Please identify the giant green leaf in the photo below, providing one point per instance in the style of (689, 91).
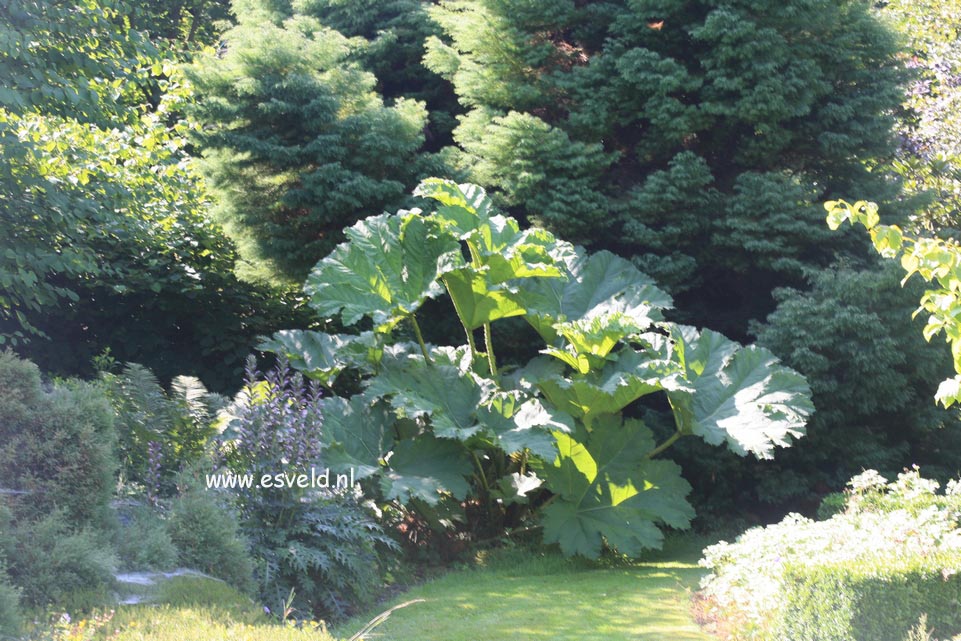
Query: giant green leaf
(359, 434)
(739, 395)
(476, 300)
(511, 254)
(607, 490)
(385, 271)
(322, 356)
(467, 211)
(356, 433)
(515, 424)
(598, 284)
(444, 393)
(629, 376)
(500, 252)
(424, 467)
(463, 208)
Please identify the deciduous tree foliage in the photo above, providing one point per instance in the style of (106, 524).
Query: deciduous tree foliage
(106, 239)
(929, 131)
(180, 23)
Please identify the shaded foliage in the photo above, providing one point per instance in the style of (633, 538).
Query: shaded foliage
(669, 131)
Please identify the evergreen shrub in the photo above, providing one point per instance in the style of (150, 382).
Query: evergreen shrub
(871, 600)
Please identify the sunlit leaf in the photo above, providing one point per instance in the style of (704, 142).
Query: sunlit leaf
(739, 395)
(387, 269)
(442, 393)
(597, 285)
(608, 491)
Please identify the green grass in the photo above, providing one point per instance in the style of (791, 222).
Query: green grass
(512, 595)
(521, 596)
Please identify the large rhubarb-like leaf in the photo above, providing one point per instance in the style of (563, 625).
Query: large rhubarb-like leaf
(356, 434)
(476, 300)
(444, 393)
(359, 434)
(385, 271)
(424, 467)
(323, 356)
(515, 424)
(629, 376)
(463, 208)
(591, 339)
(500, 253)
(739, 395)
(609, 491)
(597, 285)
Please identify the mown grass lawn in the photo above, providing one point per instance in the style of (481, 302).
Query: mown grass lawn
(516, 595)
(525, 596)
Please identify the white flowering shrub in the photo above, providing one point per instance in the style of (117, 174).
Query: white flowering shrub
(884, 525)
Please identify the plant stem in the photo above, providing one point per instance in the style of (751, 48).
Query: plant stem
(420, 339)
(480, 471)
(490, 349)
(663, 446)
(470, 334)
(476, 263)
(471, 344)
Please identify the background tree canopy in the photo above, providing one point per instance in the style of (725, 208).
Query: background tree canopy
(107, 237)
(167, 201)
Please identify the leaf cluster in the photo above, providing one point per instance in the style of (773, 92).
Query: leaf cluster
(935, 260)
(435, 426)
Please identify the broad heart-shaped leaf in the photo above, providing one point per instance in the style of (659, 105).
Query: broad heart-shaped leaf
(446, 394)
(487, 289)
(423, 467)
(356, 433)
(389, 265)
(598, 335)
(608, 490)
(323, 356)
(598, 284)
(591, 339)
(739, 395)
(630, 375)
(511, 254)
(467, 211)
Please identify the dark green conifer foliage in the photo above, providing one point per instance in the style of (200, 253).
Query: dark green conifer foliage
(297, 143)
(395, 32)
(695, 136)
(873, 376)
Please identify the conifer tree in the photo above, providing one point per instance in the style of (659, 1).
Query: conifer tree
(297, 143)
(696, 137)
(395, 33)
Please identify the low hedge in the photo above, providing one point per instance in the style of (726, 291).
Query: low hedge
(880, 599)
